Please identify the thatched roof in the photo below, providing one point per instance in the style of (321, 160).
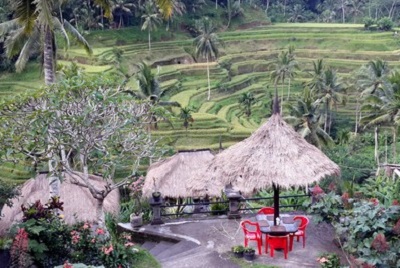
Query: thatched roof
(274, 153)
(78, 202)
(173, 175)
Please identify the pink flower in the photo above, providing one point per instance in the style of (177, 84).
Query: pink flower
(322, 260)
(100, 231)
(86, 226)
(129, 244)
(396, 228)
(107, 250)
(317, 190)
(93, 240)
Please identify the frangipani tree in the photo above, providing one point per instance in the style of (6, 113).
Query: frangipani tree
(98, 126)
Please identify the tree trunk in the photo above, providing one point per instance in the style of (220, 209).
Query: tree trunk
(282, 98)
(343, 18)
(216, 4)
(149, 41)
(326, 117)
(376, 147)
(394, 145)
(288, 95)
(100, 217)
(356, 126)
(49, 76)
(102, 18)
(266, 9)
(208, 79)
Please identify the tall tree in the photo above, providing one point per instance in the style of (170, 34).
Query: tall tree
(207, 44)
(305, 117)
(186, 116)
(246, 101)
(33, 29)
(373, 76)
(151, 19)
(330, 94)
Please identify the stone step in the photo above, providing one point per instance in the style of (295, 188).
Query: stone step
(148, 245)
(183, 254)
(178, 248)
(203, 259)
(160, 247)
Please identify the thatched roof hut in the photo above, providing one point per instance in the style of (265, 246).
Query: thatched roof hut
(274, 154)
(78, 202)
(173, 176)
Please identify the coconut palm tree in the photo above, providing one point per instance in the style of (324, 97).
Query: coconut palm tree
(149, 88)
(33, 29)
(186, 116)
(373, 76)
(330, 93)
(121, 8)
(247, 100)
(207, 44)
(305, 117)
(151, 19)
(315, 84)
(383, 107)
(285, 67)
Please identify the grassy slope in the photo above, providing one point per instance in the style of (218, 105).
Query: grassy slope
(243, 67)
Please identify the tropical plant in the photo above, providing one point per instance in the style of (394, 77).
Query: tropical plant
(373, 76)
(233, 10)
(368, 22)
(329, 260)
(120, 9)
(305, 117)
(385, 24)
(296, 13)
(34, 29)
(285, 66)
(330, 94)
(207, 44)
(246, 101)
(151, 19)
(186, 116)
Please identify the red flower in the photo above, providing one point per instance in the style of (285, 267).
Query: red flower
(332, 187)
(107, 250)
(396, 228)
(395, 203)
(379, 243)
(345, 196)
(375, 201)
(67, 265)
(317, 190)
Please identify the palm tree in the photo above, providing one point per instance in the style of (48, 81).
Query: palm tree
(207, 44)
(247, 100)
(149, 88)
(151, 19)
(331, 94)
(316, 82)
(167, 7)
(305, 117)
(373, 76)
(33, 24)
(296, 13)
(285, 67)
(120, 9)
(383, 107)
(186, 115)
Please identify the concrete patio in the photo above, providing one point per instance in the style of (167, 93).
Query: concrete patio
(206, 242)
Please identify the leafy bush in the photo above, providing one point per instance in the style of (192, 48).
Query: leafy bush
(385, 189)
(329, 260)
(329, 208)
(371, 234)
(368, 22)
(385, 24)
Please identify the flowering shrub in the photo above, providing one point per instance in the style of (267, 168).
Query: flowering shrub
(20, 257)
(329, 260)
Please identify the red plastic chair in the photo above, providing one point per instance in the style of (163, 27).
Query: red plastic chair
(301, 230)
(266, 211)
(252, 232)
(277, 242)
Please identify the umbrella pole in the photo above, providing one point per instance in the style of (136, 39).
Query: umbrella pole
(276, 201)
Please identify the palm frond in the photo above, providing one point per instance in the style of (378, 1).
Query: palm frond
(106, 5)
(78, 37)
(8, 26)
(15, 42)
(25, 13)
(26, 52)
(58, 26)
(44, 11)
(382, 119)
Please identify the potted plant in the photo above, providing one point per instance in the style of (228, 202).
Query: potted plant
(249, 253)
(136, 217)
(238, 251)
(329, 260)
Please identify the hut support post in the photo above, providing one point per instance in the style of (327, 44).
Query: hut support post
(276, 201)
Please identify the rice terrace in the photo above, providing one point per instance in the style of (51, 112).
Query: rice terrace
(159, 133)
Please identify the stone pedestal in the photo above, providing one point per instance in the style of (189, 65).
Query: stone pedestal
(234, 202)
(156, 208)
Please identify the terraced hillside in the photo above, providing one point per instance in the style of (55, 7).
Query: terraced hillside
(244, 66)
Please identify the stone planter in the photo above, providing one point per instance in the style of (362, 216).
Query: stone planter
(156, 196)
(136, 220)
